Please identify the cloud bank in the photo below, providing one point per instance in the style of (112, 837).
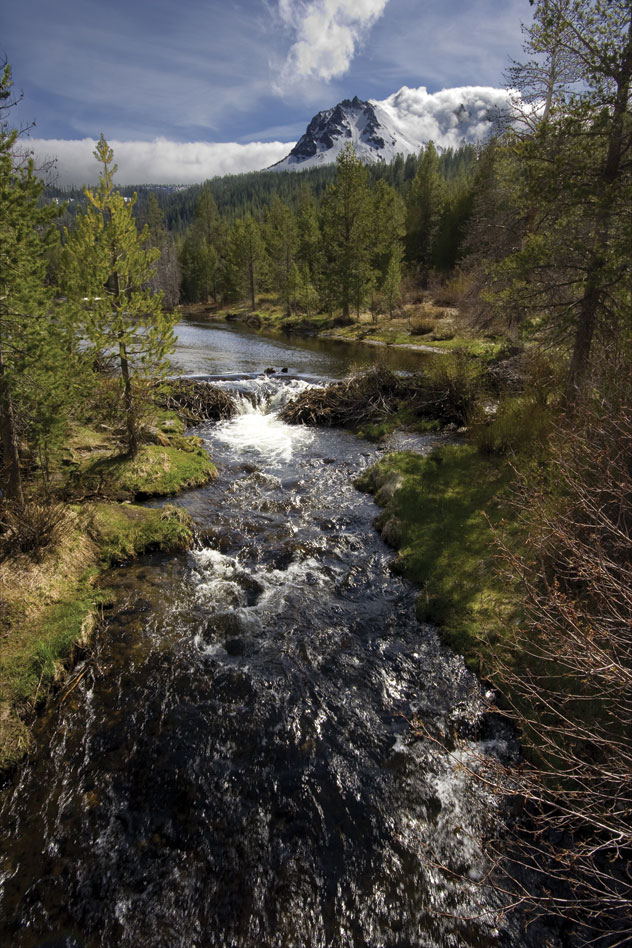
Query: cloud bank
(327, 33)
(450, 117)
(157, 162)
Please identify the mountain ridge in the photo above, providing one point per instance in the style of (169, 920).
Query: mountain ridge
(403, 124)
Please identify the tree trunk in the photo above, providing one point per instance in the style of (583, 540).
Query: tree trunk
(580, 360)
(618, 141)
(252, 284)
(11, 474)
(128, 398)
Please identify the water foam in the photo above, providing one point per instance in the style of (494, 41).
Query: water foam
(257, 429)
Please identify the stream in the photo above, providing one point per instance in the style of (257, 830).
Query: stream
(236, 768)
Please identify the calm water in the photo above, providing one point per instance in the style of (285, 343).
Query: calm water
(208, 347)
(236, 768)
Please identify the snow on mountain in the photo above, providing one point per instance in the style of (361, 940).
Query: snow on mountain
(401, 124)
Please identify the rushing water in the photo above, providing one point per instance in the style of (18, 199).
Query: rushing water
(236, 766)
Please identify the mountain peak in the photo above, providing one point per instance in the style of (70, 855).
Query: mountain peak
(402, 124)
(352, 120)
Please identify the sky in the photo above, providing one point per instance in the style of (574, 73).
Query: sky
(189, 89)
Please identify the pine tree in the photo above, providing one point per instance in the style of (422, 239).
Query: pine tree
(392, 281)
(167, 276)
(201, 259)
(309, 252)
(32, 336)
(248, 254)
(388, 230)
(425, 205)
(281, 234)
(108, 271)
(570, 273)
(346, 229)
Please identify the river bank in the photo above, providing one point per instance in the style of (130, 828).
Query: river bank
(50, 596)
(422, 327)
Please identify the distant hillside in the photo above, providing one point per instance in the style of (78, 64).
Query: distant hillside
(241, 194)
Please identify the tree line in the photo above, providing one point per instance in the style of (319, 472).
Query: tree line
(338, 251)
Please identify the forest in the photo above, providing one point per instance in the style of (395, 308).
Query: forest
(528, 239)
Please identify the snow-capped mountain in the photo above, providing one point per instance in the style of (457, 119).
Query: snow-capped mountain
(401, 124)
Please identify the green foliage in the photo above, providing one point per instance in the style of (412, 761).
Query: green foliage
(520, 425)
(425, 205)
(346, 228)
(107, 270)
(281, 237)
(457, 378)
(37, 360)
(248, 257)
(565, 269)
(437, 511)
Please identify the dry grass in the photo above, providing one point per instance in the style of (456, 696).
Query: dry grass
(32, 585)
(47, 607)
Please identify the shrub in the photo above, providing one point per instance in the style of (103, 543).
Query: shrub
(31, 528)
(572, 695)
(421, 326)
(454, 381)
(520, 425)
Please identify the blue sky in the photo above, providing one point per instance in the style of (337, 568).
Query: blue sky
(237, 72)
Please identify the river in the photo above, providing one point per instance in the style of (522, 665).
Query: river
(236, 767)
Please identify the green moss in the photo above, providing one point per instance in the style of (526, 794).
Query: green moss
(404, 418)
(123, 531)
(32, 657)
(440, 510)
(157, 470)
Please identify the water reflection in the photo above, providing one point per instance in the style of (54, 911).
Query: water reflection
(214, 347)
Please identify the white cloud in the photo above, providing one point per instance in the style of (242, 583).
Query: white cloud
(157, 162)
(327, 33)
(449, 117)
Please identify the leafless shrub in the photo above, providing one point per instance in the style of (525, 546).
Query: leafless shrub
(569, 683)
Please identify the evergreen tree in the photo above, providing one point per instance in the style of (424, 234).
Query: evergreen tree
(425, 205)
(392, 281)
(346, 228)
(108, 271)
(202, 252)
(248, 255)
(571, 272)
(33, 337)
(282, 242)
(452, 227)
(167, 276)
(309, 250)
(388, 230)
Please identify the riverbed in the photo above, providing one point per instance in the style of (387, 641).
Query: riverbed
(237, 766)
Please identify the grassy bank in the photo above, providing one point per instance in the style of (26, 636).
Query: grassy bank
(49, 599)
(425, 326)
(439, 512)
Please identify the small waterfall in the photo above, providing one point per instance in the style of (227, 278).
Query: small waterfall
(257, 431)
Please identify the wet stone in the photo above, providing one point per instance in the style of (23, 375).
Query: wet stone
(235, 646)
